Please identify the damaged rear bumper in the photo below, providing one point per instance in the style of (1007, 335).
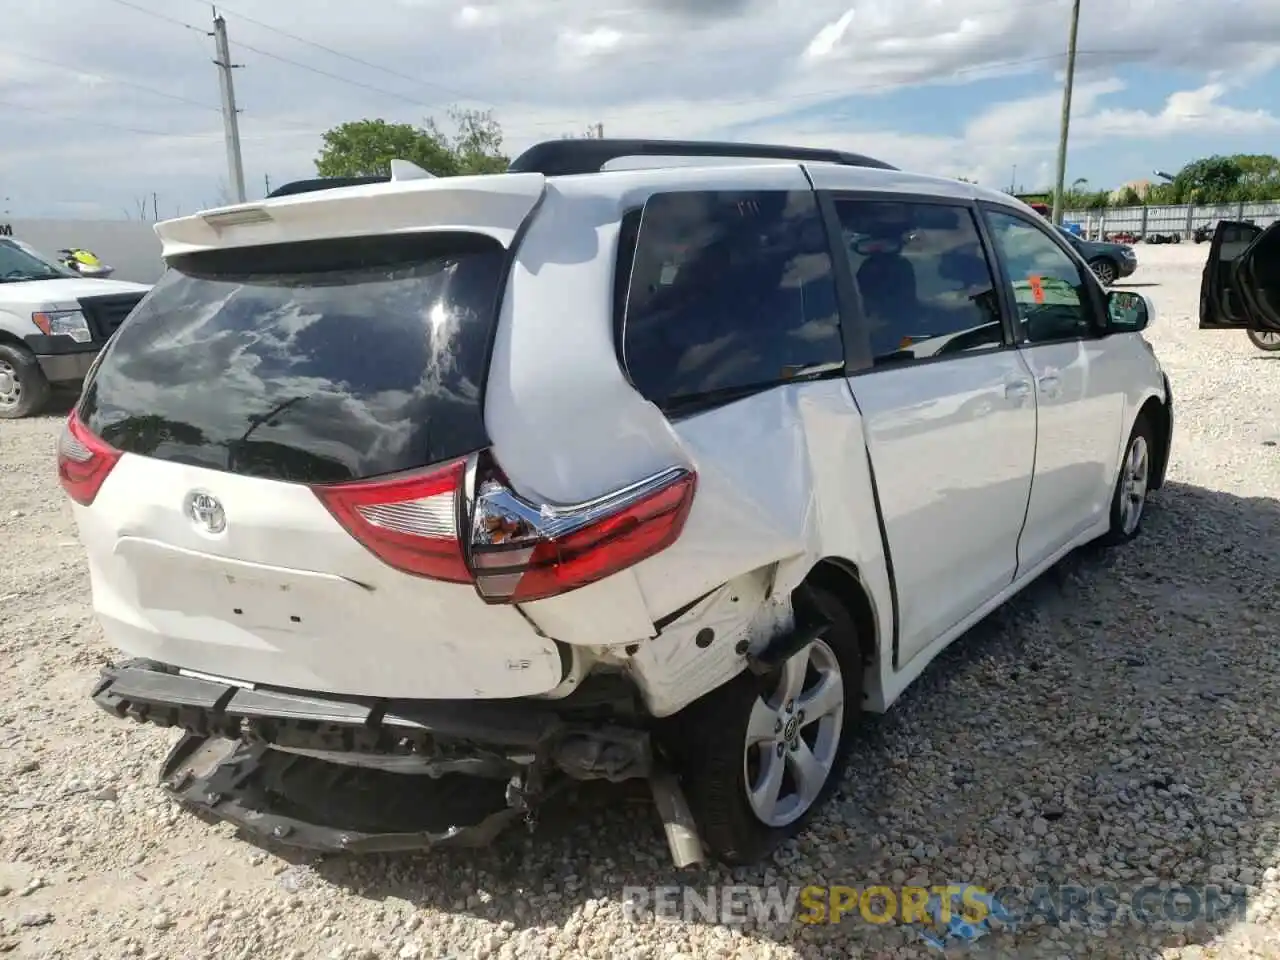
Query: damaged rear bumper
(228, 781)
(366, 775)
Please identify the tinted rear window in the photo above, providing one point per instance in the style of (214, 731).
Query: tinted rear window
(309, 362)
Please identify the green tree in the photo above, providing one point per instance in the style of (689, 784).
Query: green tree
(362, 148)
(1209, 180)
(1128, 197)
(476, 142)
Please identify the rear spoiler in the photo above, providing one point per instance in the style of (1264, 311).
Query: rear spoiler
(322, 183)
(400, 170)
(493, 206)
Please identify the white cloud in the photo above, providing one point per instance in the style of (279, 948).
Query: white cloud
(474, 18)
(1186, 111)
(584, 44)
(642, 67)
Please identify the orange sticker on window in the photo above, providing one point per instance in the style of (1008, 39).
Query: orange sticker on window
(1037, 291)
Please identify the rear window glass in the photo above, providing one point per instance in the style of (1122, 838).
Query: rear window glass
(310, 362)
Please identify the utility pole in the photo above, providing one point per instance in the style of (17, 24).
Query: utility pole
(1066, 113)
(230, 120)
(155, 207)
(266, 179)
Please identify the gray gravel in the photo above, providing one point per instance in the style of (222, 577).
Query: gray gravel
(1117, 724)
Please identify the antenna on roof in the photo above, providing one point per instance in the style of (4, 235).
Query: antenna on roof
(404, 170)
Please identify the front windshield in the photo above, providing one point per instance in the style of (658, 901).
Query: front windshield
(19, 262)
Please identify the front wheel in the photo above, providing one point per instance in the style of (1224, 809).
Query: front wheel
(760, 755)
(1268, 340)
(23, 388)
(1129, 501)
(1105, 271)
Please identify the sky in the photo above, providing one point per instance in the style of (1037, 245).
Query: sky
(107, 104)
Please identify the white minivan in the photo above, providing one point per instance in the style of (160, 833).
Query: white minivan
(411, 502)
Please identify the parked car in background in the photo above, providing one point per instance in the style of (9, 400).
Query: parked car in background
(1163, 238)
(662, 473)
(1240, 285)
(53, 323)
(1108, 261)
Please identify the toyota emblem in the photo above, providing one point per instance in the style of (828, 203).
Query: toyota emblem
(206, 512)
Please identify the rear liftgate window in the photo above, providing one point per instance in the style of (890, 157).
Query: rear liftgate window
(311, 362)
(730, 293)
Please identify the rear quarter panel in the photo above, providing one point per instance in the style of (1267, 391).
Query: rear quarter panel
(782, 476)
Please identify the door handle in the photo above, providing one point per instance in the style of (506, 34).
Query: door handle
(1017, 390)
(1050, 385)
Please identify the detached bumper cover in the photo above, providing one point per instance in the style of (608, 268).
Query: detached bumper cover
(329, 774)
(300, 802)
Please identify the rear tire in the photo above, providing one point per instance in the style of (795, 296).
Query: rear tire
(24, 390)
(743, 733)
(1268, 340)
(1133, 485)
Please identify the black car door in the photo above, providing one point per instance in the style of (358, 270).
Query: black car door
(1240, 286)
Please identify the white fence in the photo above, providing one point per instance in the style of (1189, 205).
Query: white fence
(1181, 219)
(131, 246)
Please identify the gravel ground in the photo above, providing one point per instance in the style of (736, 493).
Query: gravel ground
(1116, 724)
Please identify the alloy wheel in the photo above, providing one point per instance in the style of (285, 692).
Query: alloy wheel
(1265, 339)
(10, 385)
(793, 736)
(1133, 484)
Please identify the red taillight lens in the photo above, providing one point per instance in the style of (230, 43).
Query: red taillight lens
(521, 552)
(410, 523)
(83, 461)
(517, 551)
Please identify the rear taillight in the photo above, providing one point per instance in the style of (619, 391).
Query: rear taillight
(515, 551)
(521, 551)
(83, 461)
(410, 523)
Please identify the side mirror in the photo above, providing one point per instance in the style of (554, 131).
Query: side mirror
(1128, 312)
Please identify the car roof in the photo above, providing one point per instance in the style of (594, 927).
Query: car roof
(343, 206)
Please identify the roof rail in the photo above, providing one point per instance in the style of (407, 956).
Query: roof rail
(554, 158)
(323, 183)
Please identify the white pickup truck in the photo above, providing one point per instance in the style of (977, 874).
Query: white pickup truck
(53, 322)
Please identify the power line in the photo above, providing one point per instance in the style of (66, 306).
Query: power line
(161, 16)
(338, 53)
(107, 126)
(815, 95)
(117, 80)
(858, 91)
(79, 120)
(332, 76)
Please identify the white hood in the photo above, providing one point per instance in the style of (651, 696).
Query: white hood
(62, 292)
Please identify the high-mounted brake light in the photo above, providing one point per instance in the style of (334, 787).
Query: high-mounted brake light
(514, 551)
(84, 461)
(410, 523)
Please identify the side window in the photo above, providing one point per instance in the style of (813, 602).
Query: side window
(1235, 241)
(1048, 288)
(923, 278)
(729, 291)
